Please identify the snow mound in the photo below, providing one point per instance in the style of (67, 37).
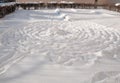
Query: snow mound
(73, 10)
(57, 11)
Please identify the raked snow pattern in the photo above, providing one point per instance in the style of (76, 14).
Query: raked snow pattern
(73, 43)
(77, 44)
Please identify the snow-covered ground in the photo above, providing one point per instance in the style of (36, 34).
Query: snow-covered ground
(60, 46)
(7, 4)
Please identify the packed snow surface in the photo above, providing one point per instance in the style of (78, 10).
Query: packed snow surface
(60, 46)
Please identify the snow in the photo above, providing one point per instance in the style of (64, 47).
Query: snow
(7, 4)
(53, 2)
(117, 4)
(60, 46)
(63, 2)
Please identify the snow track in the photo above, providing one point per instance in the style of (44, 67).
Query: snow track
(66, 43)
(60, 43)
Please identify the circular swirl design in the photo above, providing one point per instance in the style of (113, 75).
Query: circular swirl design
(79, 43)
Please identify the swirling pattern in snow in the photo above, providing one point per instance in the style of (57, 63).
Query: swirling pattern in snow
(77, 44)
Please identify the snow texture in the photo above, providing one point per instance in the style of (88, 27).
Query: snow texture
(60, 46)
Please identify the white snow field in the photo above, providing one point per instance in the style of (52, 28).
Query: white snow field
(60, 46)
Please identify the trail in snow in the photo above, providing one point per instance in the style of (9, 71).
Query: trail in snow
(59, 41)
(72, 43)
